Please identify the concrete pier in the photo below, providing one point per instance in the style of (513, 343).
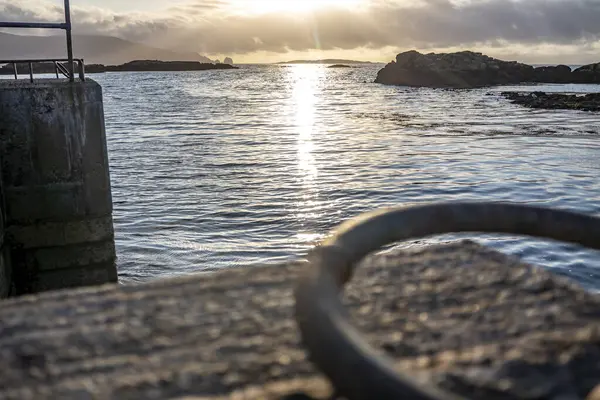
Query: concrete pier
(460, 316)
(55, 184)
(5, 268)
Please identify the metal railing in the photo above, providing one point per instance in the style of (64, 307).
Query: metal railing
(59, 69)
(70, 71)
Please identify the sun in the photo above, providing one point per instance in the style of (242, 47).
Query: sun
(292, 6)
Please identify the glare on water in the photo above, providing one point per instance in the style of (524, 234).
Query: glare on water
(220, 168)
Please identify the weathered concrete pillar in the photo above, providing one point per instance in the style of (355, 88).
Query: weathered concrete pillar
(56, 184)
(5, 270)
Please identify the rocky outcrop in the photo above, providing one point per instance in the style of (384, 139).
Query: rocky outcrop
(151, 65)
(465, 69)
(339, 66)
(556, 101)
(228, 60)
(95, 68)
(587, 74)
(554, 74)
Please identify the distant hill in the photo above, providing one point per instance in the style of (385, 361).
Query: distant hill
(160, 66)
(94, 49)
(325, 61)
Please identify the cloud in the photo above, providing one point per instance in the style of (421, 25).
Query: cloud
(208, 27)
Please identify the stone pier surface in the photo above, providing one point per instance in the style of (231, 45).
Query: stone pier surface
(460, 316)
(5, 268)
(55, 185)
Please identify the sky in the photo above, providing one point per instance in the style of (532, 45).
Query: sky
(534, 31)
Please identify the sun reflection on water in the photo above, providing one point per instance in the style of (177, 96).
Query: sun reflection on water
(306, 80)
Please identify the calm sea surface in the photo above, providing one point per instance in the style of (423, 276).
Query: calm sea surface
(222, 168)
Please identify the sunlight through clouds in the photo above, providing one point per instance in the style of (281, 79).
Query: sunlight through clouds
(291, 6)
(532, 31)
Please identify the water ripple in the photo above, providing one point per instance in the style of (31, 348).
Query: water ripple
(222, 168)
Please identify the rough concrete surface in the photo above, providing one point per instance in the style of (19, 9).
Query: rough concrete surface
(5, 270)
(460, 316)
(55, 184)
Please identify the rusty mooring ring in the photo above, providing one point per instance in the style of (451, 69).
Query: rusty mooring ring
(356, 370)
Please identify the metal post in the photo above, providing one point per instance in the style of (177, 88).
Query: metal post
(69, 40)
(69, 70)
(81, 70)
(56, 69)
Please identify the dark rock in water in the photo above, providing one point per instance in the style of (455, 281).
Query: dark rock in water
(339, 66)
(152, 65)
(95, 68)
(461, 70)
(466, 69)
(587, 74)
(555, 74)
(555, 101)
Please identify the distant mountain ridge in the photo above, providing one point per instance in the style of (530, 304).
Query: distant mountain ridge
(94, 49)
(325, 61)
